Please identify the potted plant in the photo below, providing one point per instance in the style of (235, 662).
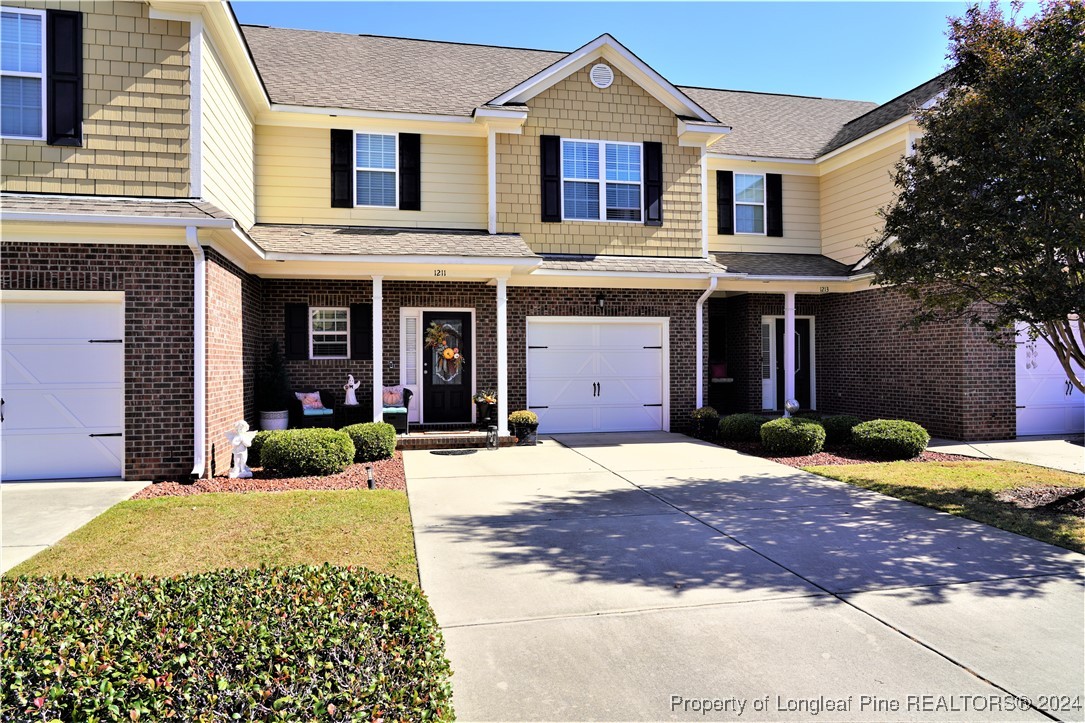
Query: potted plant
(273, 390)
(485, 407)
(525, 427)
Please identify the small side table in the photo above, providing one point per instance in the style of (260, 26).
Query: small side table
(348, 414)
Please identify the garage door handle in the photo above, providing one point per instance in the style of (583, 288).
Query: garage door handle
(106, 341)
(653, 405)
(538, 407)
(107, 434)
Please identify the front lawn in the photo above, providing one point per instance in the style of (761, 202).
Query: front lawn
(173, 535)
(973, 490)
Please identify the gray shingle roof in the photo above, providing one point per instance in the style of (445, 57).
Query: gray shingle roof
(629, 264)
(365, 72)
(366, 241)
(105, 206)
(782, 264)
(775, 126)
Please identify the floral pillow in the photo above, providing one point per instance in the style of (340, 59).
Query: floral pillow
(309, 400)
(393, 396)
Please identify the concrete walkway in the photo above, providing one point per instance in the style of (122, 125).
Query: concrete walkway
(1054, 452)
(653, 577)
(36, 515)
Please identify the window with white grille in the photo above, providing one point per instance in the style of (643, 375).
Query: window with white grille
(750, 203)
(375, 170)
(329, 333)
(601, 181)
(22, 73)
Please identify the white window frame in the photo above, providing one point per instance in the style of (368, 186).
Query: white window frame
(602, 181)
(313, 310)
(394, 171)
(40, 76)
(764, 204)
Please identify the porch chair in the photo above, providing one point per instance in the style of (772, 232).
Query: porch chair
(396, 414)
(318, 417)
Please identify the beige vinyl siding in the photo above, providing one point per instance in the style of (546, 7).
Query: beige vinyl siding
(293, 172)
(802, 229)
(850, 199)
(228, 155)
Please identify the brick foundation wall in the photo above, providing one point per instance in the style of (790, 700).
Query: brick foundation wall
(235, 307)
(158, 368)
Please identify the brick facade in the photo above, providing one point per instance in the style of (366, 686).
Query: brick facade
(158, 359)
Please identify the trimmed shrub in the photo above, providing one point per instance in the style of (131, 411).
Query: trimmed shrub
(838, 428)
(792, 436)
(890, 438)
(814, 416)
(372, 440)
(741, 428)
(294, 643)
(258, 445)
(706, 421)
(304, 452)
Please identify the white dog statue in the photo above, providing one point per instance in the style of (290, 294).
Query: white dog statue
(349, 387)
(240, 440)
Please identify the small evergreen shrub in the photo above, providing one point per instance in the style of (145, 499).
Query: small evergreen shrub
(372, 440)
(706, 421)
(814, 416)
(890, 438)
(792, 436)
(838, 428)
(292, 643)
(258, 445)
(305, 452)
(741, 428)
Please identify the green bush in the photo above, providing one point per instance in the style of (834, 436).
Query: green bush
(838, 428)
(741, 428)
(706, 421)
(814, 416)
(372, 440)
(792, 436)
(258, 445)
(890, 438)
(303, 452)
(295, 643)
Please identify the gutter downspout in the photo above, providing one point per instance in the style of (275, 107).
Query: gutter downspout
(199, 350)
(712, 281)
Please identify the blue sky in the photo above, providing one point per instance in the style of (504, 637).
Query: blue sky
(856, 50)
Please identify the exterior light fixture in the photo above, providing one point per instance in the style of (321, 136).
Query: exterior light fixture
(600, 300)
(369, 476)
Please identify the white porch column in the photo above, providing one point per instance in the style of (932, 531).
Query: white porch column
(789, 348)
(378, 349)
(502, 360)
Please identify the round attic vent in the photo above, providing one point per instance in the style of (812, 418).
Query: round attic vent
(602, 76)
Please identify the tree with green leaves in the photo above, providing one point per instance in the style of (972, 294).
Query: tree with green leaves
(989, 219)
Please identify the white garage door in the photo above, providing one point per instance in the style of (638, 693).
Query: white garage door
(597, 375)
(1046, 402)
(63, 389)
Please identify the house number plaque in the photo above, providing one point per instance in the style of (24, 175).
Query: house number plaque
(440, 272)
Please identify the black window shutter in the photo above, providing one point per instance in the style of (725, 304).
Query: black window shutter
(653, 183)
(410, 172)
(774, 205)
(64, 77)
(725, 202)
(550, 148)
(342, 168)
(361, 330)
(297, 331)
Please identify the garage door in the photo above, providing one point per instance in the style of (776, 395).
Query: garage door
(63, 389)
(595, 375)
(1046, 402)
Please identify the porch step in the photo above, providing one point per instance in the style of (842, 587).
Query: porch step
(445, 439)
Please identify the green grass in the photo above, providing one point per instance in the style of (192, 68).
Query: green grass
(171, 535)
(968, 489)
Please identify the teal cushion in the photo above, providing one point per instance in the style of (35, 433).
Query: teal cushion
(395, 410)
(317, 412)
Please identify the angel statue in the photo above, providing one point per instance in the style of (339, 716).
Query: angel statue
(240, 440)
(349, 388)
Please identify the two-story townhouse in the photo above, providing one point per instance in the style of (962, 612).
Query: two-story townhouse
(590, 240)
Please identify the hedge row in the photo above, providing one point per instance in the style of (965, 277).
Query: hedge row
(297, 643)
(303, 452)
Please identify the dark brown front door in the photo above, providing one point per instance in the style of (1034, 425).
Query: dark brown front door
(802, 363)
(446, 367)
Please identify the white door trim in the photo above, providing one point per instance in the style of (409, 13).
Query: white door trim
(417, 312)
(768, 392)
(663, 321)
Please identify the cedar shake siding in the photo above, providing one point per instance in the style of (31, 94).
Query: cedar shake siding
(158, 360)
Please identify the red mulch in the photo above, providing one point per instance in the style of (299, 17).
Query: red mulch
(1050, 498)
(835, 456)
(388, 475)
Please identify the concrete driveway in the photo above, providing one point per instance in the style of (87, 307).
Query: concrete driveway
(37, 515)
(654, 577)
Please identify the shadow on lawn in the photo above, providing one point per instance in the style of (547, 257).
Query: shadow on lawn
(838, 537)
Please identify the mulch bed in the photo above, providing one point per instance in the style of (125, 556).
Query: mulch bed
(843, 454)
(388, 475)
(1051, 499)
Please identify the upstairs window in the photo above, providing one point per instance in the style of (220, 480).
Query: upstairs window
(22, 73)
(329, 333)
(749, 203)
(375, 170)
(601, 181)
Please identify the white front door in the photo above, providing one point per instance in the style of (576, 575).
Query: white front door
(63, 389)
(597, 375)
(1046, 401)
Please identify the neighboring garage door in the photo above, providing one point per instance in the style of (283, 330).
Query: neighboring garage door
(63, 387)
(597, 375)
(1046, 401)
